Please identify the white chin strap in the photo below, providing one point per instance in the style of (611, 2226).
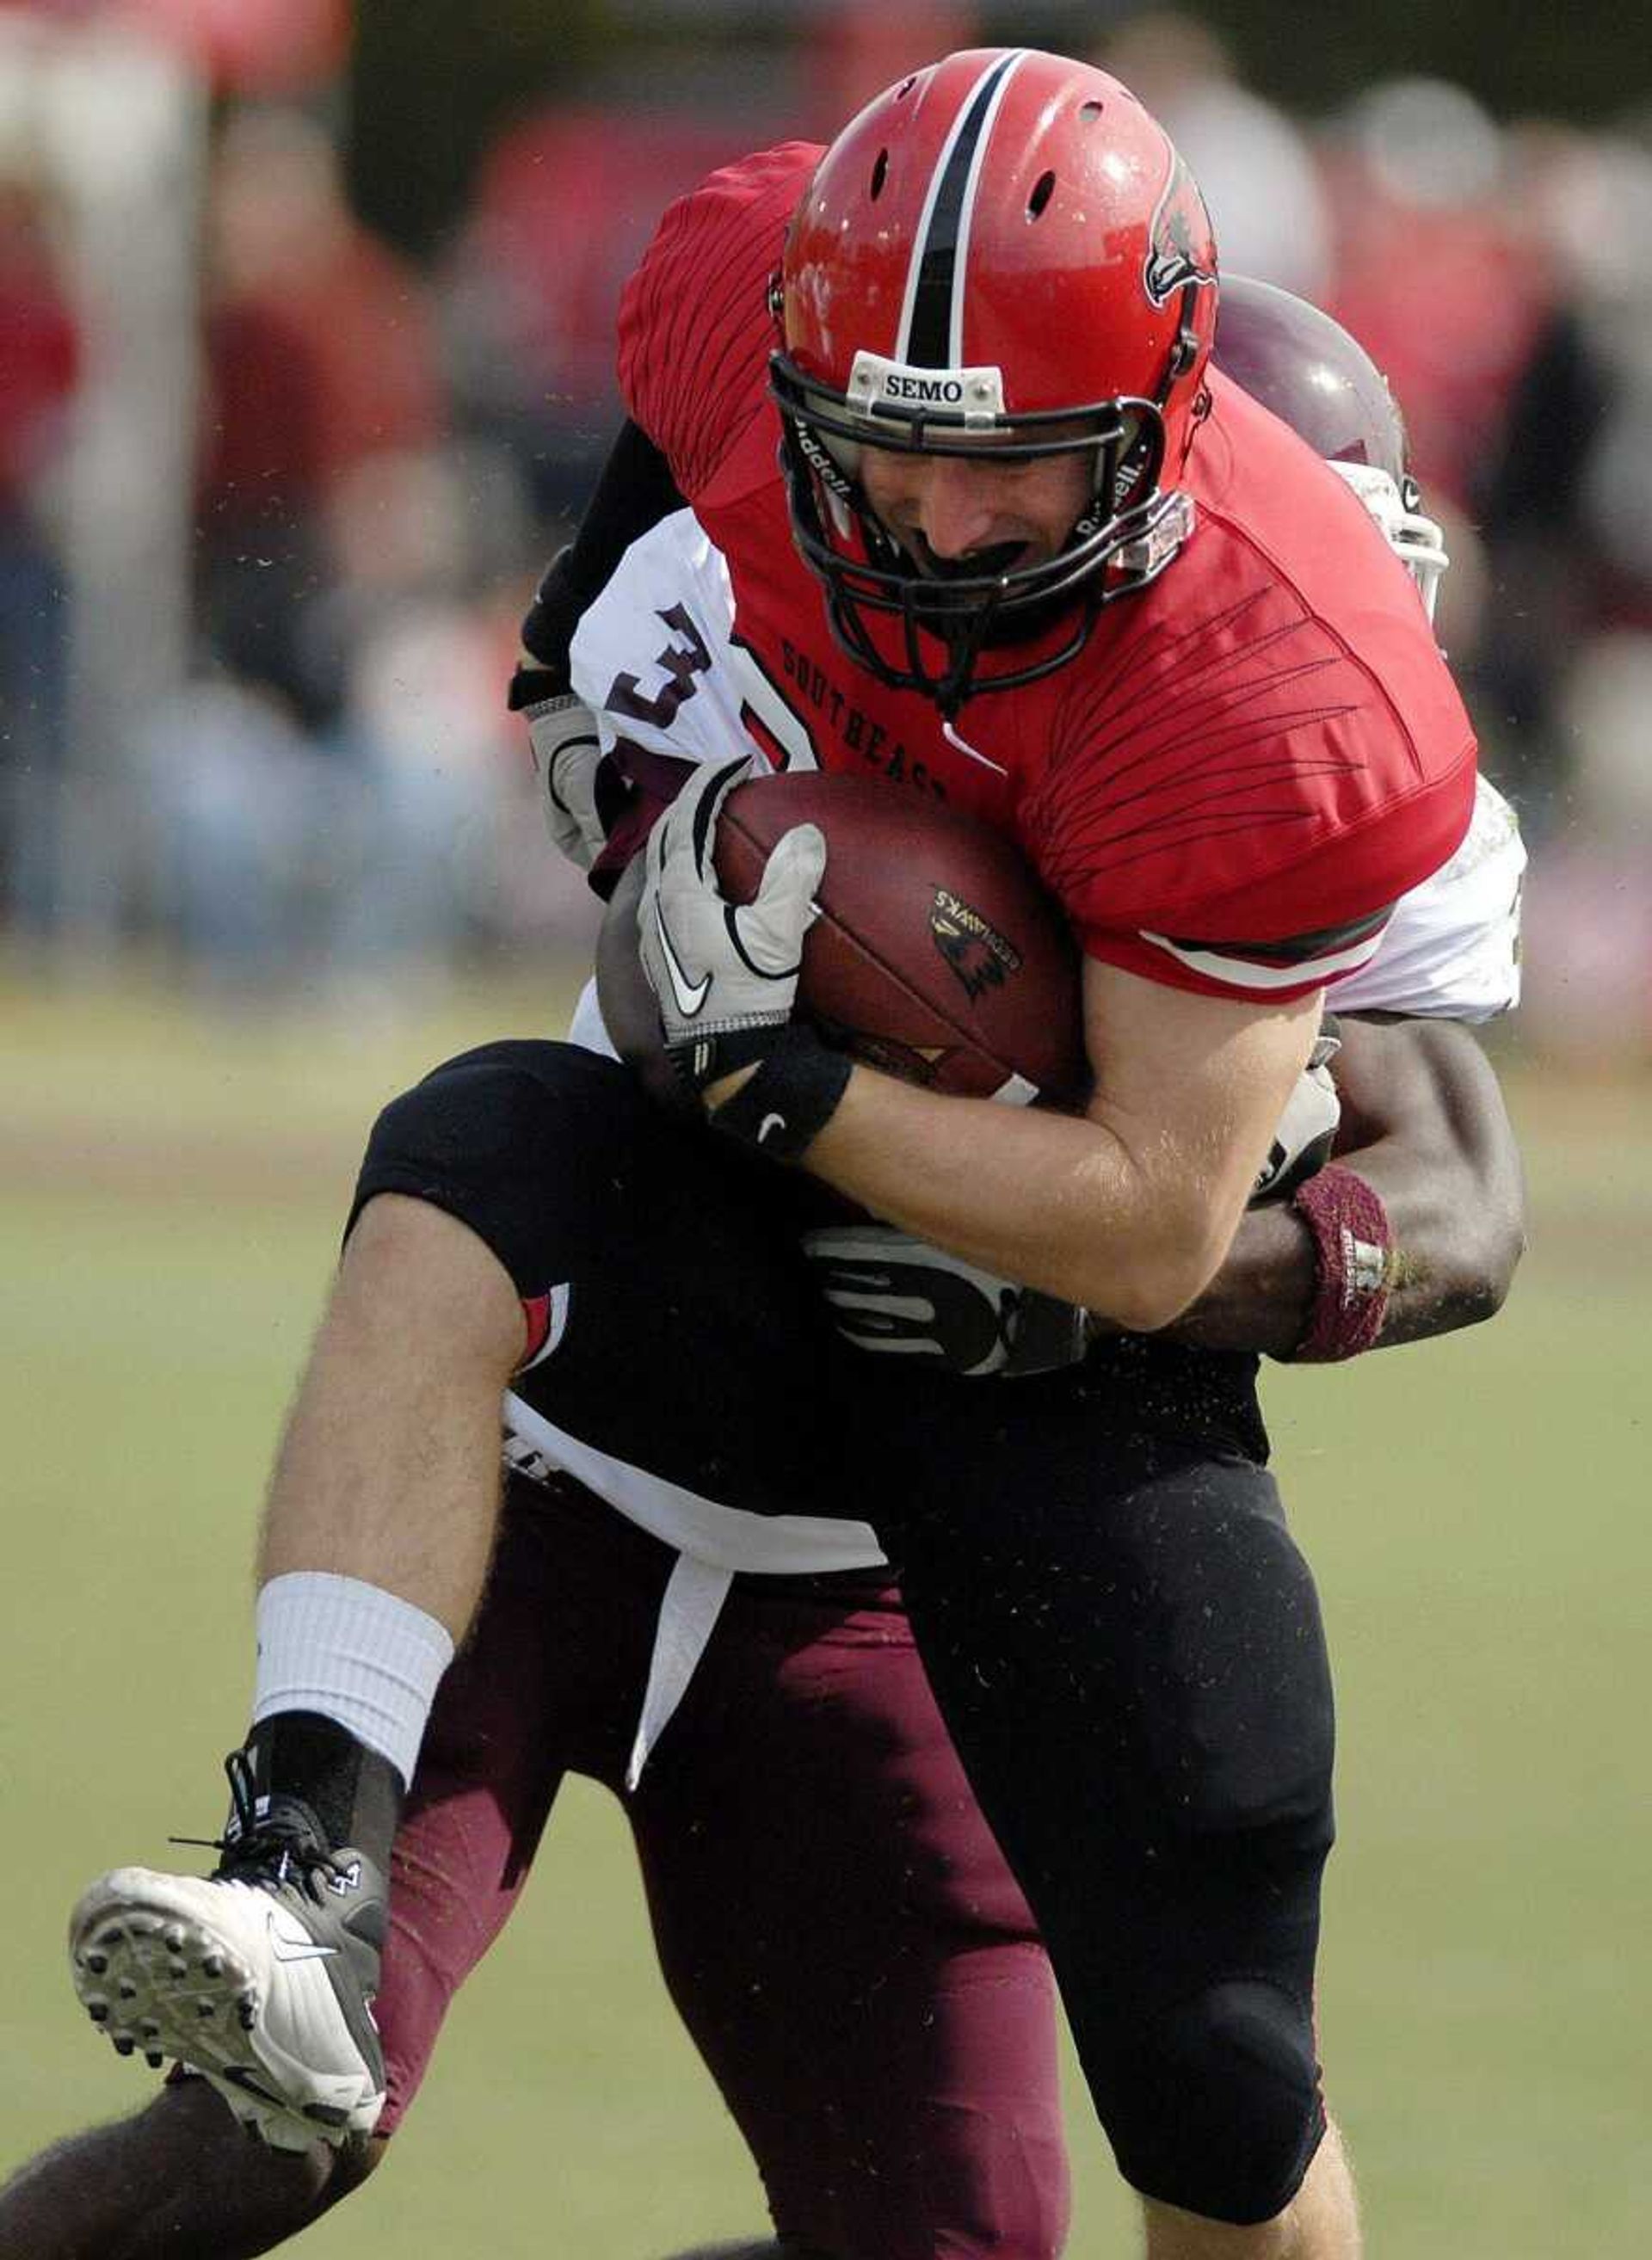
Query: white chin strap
(1416, 540)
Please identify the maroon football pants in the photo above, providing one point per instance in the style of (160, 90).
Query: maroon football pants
(836, 1926)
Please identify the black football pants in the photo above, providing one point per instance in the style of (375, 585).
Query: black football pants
(1122, 1637)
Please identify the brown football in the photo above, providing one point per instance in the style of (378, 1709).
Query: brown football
(937, 955)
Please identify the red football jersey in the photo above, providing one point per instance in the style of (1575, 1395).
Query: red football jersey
(1250, 759)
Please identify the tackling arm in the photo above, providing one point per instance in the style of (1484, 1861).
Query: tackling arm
(1425, 1126)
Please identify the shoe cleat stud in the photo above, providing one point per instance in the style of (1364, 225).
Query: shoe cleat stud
(98, 2012)
(123, 2044)
(212, 1965)
(96, 1962)
(154, 2058)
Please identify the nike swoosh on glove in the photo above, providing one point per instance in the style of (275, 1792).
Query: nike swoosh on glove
(725, 973)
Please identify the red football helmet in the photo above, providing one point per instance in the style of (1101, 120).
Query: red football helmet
(1315, 376)
(1004, 251)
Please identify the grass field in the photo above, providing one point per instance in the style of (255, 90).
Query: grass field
(1480, 1514)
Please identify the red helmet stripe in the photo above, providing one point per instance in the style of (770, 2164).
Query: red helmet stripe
(931, 335)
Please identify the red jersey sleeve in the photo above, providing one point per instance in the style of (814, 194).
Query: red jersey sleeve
(695, 328)
(1262, 752)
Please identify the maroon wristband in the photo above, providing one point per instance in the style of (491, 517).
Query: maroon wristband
(1351, 1247)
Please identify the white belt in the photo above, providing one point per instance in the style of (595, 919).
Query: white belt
(713, 1544)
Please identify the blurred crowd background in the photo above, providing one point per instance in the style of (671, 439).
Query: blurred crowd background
(306, 362)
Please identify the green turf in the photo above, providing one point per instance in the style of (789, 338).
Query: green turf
(1477, 1513)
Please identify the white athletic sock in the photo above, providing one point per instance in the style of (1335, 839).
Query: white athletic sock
(354, 1654)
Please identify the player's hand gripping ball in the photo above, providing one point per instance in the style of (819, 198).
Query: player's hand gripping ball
(924, 946)
(723, 968)
(725, 973)
(793, 922)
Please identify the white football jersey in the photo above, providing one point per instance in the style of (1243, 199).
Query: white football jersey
(1452, 949)
(656, 662)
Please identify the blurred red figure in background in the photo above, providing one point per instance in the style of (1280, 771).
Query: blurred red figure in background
(322, 346)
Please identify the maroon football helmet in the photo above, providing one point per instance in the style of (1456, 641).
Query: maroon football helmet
(1004, 251)
(1313, 376)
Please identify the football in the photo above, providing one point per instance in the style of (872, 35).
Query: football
(937, 954)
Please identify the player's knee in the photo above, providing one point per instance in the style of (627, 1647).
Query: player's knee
(514, 1139)
(1220, 2111)
(494, 1109)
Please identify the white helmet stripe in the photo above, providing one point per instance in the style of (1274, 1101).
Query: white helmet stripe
(931, 335)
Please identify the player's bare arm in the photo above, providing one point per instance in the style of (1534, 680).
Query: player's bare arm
(1129, 1209)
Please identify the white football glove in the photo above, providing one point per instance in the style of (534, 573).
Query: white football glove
(725, 975)
(1307, 1128)
(566, 753)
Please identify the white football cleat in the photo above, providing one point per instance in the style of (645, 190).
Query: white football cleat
(259, 1977)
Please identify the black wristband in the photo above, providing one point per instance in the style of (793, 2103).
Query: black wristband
(700, 1060)
(531, 686)
(783, 1108)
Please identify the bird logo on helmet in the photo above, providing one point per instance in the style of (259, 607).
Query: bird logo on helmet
(974, 264)
(1182, 253)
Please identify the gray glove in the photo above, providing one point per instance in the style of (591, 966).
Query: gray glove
(1307, 1128)
(566, 753)
(725, 975)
